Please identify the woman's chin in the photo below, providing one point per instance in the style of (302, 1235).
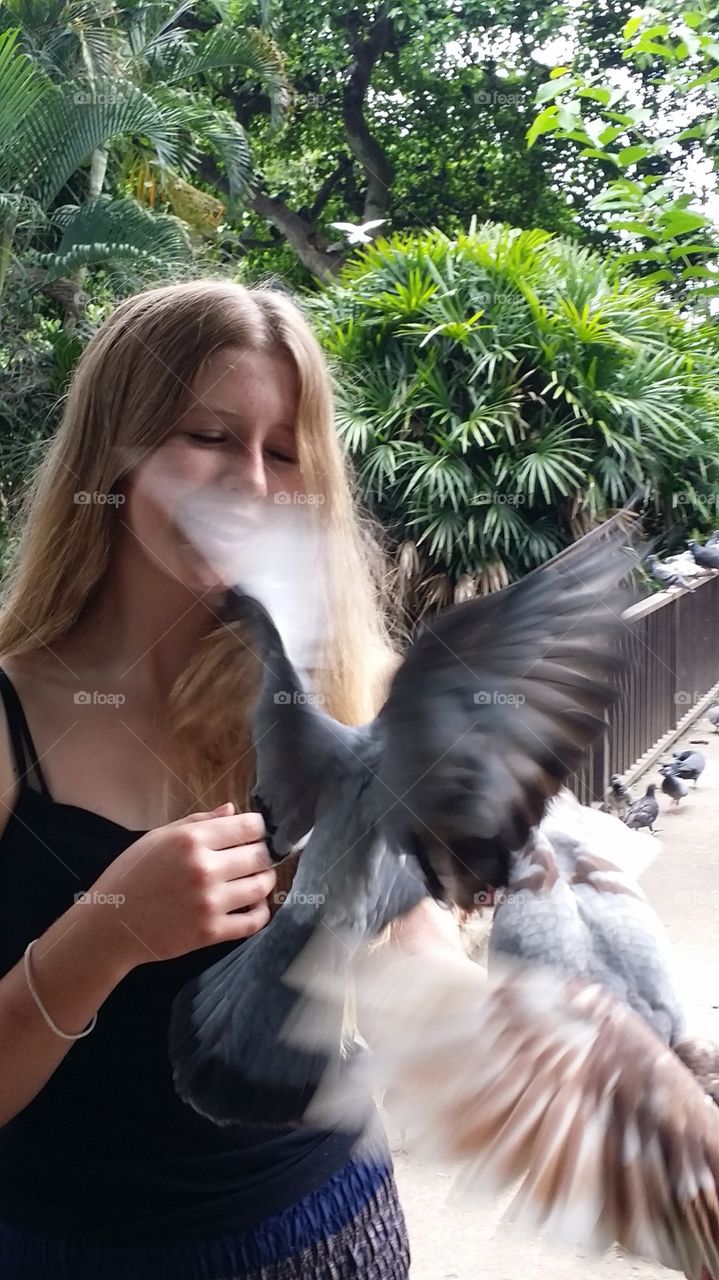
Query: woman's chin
(205, 578)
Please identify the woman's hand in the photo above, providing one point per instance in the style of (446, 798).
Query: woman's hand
(200, 880)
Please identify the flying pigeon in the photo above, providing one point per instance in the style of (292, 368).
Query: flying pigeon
(357, 234)
(707, 556)
(673, 786)
(712, 716)
(617, 797)
(688, 764)
(644, 812)
(486, 716)
(548, 1087)
(665, 575)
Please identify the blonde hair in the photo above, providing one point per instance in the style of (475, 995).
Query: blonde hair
(125, 394)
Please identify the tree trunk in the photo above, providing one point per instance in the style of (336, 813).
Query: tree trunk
(7, 235)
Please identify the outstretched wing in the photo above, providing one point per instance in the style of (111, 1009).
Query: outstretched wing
(549, 1080)
(293, 738)
(492, 708)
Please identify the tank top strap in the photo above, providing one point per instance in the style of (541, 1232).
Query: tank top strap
(23, 748)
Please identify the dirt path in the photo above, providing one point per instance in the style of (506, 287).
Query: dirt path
(451, 1241)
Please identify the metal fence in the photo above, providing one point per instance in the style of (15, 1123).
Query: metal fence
(672, 643)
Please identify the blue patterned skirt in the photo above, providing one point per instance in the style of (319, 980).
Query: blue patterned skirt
(352, 1228)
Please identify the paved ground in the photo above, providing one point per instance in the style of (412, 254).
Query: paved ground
(455, 1242)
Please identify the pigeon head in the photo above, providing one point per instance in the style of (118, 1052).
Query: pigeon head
(651, 789)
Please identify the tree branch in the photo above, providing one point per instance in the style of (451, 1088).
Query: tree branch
(309, 245)
(379, 174)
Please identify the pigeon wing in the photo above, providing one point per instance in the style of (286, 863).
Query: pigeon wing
(492, 708)
(553, 1081)
(293, 739)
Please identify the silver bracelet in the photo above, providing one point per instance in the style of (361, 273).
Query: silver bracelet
(43, 1010)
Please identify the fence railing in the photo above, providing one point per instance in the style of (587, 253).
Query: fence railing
(672, 643)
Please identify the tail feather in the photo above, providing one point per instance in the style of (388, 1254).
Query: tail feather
(531, 1075)
(230, 1054)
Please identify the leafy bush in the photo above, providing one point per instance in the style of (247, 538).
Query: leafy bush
(498, 391)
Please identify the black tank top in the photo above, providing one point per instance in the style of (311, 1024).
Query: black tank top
(107, 1149)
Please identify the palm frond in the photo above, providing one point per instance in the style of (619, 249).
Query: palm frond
(106, 230)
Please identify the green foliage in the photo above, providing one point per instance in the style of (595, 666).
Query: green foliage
(499, 390)
(118, 231)
(677, 51)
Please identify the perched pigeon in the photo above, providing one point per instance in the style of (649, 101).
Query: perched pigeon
(712, 716)
(685, 565)
(707, 556)
(665, 575)
(574, 903)
(644, 812)
(673, 786)
(485, 718)
(617, 797)
(688, 764)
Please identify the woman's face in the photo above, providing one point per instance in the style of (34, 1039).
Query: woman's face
(226, 468)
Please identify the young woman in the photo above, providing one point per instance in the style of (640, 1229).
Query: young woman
(127, 846)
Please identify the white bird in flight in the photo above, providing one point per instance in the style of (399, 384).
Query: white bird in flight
(357, 234)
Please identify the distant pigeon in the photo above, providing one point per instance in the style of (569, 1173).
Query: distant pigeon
(685, 565)
(357, 234)
(645, 811)
(712, 716)
(688, 764)
(673, 786)
(617, 797)
(707, 556)
(713, 539)
(665, 575)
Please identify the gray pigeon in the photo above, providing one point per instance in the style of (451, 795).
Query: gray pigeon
(617, 797)
(713, 539)
(707, 556)
(673, 786)
(644, 811)
(665, 575)
(486, 716)
(688, 764)
(712, 716)
(574, 903)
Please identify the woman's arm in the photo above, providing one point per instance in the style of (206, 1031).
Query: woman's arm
(74, 970)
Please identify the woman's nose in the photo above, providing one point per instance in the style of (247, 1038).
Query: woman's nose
(248, 475)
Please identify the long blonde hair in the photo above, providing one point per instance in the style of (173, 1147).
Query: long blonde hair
(125, 395)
